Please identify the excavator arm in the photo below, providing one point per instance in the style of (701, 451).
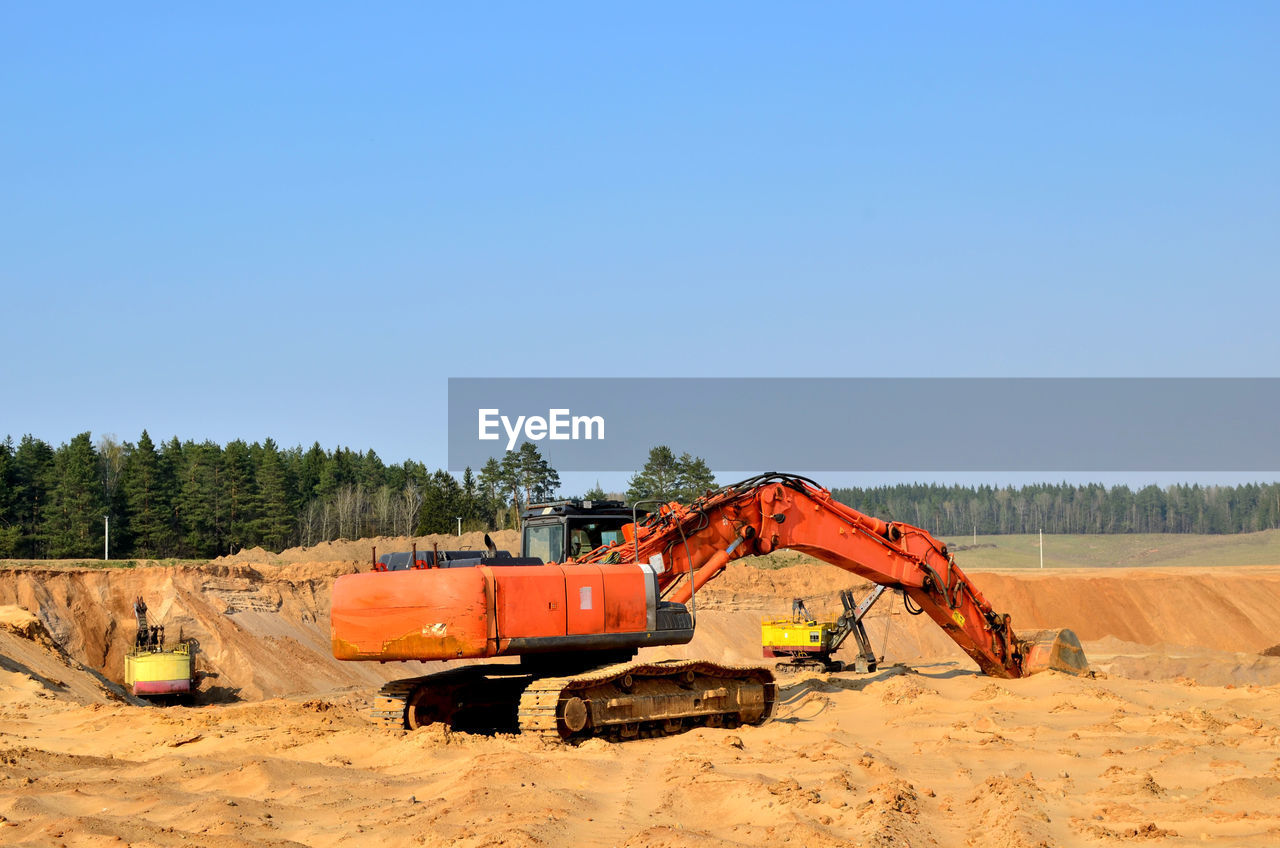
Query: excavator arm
(690, 545)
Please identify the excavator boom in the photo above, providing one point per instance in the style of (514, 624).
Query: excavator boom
(772, 512)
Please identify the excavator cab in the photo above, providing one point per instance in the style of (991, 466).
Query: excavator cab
(556, 531)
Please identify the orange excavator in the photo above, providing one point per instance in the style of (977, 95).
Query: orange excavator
(576, 624)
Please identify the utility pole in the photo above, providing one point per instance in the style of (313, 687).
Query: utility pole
(106, 538)
(459, 525)
(1042, 547)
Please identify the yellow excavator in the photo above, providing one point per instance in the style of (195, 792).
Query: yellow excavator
(806, 644)
(156, 671)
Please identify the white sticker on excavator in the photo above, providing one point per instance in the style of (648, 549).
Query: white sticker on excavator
(650, 570)
(584, 597)
(658, 565)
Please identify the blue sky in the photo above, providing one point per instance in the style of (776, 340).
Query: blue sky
(299, 221)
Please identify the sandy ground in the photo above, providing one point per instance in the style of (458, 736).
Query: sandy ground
(1176, 742)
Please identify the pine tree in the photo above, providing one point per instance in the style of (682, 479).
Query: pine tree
(441, 504)
(275, 519)
(310, 470)
(539, 479)
(33, 479)
(526, 476)
(369, 470)
(658, 480)
(201, 499)
(199, 496)
(472, 504)
(693, 478)
(512, 485)
(339, 470)
(74, 524)
(667, 477)
(240, 498)
(10, 530)
(170, 464)
(492, 490)
(144, 499)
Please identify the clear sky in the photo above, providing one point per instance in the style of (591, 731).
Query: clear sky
(298, 220)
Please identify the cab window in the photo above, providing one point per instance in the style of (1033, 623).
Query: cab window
(586, 536)
(545, 541)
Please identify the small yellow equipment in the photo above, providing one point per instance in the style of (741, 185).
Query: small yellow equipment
(807, 643)
(150, 668)
(149, 672)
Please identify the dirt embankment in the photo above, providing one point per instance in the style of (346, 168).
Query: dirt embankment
(261, 619)
(1224, 609)
(38, 666)
(262, 630)
(361, 550)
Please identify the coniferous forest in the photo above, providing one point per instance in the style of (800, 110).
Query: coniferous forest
(1069, 508)
(194, 500)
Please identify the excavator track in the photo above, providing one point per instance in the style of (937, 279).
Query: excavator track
(624, 701)
(477, 697)
(641, 699)
(798, 666)
(388, 704)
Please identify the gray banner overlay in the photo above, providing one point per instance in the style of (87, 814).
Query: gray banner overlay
(893, 424)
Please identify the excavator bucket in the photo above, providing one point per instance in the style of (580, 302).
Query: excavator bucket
(1059, 650)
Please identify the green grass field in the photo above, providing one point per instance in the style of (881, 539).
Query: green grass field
(1119, 550)
(1081, 551)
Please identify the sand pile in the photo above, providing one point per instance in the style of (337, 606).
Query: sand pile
(1227, 609)
(34, 665)
(361, 550)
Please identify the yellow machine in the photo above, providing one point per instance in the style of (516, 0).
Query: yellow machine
(153, 670)
(149, 672)
(807, 643)
(808, 635)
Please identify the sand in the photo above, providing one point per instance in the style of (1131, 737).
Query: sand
(1176, 742)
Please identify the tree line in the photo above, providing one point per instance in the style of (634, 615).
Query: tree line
(1069, 508)
(200, 499)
